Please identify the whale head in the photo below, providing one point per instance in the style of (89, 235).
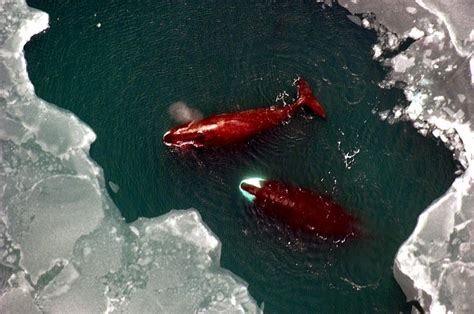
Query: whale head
(184, 136)
(250, 186)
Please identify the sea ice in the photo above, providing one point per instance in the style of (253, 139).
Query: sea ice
(63, 246)
(436, 264)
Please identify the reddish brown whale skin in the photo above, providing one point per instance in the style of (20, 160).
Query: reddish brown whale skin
(304, 210)
(228, 128)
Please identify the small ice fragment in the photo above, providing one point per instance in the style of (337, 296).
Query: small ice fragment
(423, 132)
(328, 3)
(392, 40)
(377, 51)
(449, 111)
(10, 259)
(397, 113)
(365, 23)
(416, 33)
(443, 138)
(99, 25)
(461, 97)
(114, 187)
(416, 106)
(220, 296)
(134, 230)
(142, 261)
(459, 114)
(354, 19)
(411, 10)
(402, 62)
(439, 100)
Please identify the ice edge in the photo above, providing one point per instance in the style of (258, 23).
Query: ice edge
(435, 265)
(44, 151)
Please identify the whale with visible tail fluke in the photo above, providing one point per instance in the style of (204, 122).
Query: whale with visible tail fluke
(229, 128)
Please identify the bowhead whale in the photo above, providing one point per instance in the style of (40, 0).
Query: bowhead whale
(228, 128)
(302, 209)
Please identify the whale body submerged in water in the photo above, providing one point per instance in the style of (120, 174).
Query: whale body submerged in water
(302, 209)
(228, 128)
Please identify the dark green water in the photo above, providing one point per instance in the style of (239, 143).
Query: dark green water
(121, 77)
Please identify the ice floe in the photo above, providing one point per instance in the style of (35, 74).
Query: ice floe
(64, 247)
(435, 266)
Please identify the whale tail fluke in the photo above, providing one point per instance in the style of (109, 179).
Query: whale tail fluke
(307, 98)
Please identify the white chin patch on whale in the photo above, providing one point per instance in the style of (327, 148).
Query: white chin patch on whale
(257, 182)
